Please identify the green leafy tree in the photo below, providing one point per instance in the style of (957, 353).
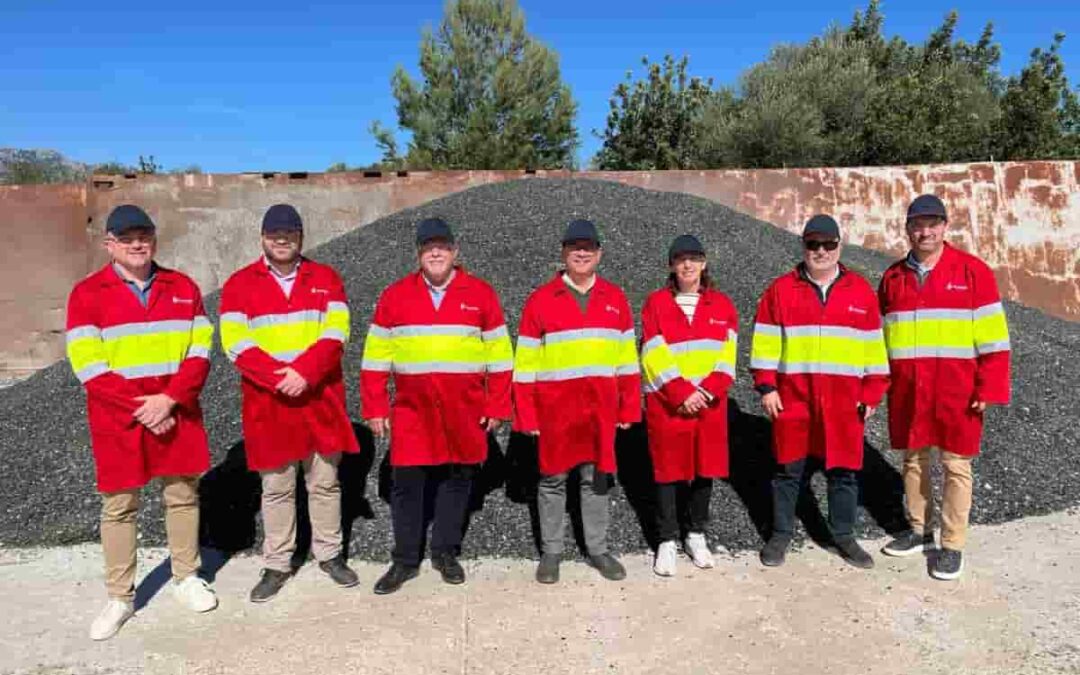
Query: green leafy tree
(654, 122)
(490, 96)
(32, 167)
(1040, 113)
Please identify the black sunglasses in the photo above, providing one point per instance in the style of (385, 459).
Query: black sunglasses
(815, 244)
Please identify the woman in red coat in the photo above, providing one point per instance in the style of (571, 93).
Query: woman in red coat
(688, 359)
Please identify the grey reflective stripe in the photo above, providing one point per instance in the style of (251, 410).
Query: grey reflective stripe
(149, 370)
(574, 373)
(288, 356)
(988, 310)
(767, 329)
(846, 332)
(764, 364)
(882, 369)
(332, 334)
(378, 331)
(81, 332)
(628, 335)
(652, 344)
(304, 315)
(428, 367)
(732, 336)
(500, 366)
(584, 334)
(524, 378)
(375, 364)
(724, 367)
(991, 347)
(91, 371)
(435, 331)
(145, 328)
(529, 342)
(495, 334)
(198, 351)
(663, 377)
(201, 322)
(239, 347)
(929, 315)
(932, 353)
(696, 346)
(628, 369)
(234, 317)
(899, 317)
(820, 369)
(335, 306)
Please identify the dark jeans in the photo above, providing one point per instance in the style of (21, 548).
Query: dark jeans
(682, 507)
(790, 480)
(415, 489)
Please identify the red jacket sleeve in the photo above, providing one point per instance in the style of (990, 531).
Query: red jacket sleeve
(875, 380)
(254, 364)
(629, 370)
(766, 346)
(86, 352)
(718, 382)
(500, 360)
(377, 362)
(527, 361)
(662, 377)
(991, 331)
(184, 387)
(323, 357)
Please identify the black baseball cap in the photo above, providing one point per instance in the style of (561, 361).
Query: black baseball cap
(282, 218)
(429, 229)
(128, 217)
(823, 225)
(581, 230)
(684, 243)
(927, 205)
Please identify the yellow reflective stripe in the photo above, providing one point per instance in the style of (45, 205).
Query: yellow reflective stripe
(571, 354)
(499, 354)
(202, 337)
(444, 348)
(336, 322)
(129, 352)
(658, 365)
(991, 330)
(875, 357)
(527, 358)
(946, 333)
(378, 349)
(234, 334)
(766, 346)
(86, 353)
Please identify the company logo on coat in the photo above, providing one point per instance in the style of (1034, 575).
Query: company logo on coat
(612, 309)
(717, 322)
(856, 310)
(955, 287)
(469, 308)
(182, 301)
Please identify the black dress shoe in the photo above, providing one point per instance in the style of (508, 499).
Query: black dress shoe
(451, 570)
(853, 554)
(547, 572)
(269, 585)
(395, 578)
(608, 567)
(775, 551)
(340, 572)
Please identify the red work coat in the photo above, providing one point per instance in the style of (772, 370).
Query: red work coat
(948, 346)
(451, 367)
(678, 356)
(824, 359)
(576, 374)
(121, 350)
(263, 331)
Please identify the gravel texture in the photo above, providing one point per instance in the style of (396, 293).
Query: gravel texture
(509, 235)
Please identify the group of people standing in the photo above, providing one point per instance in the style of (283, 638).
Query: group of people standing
(826, 348)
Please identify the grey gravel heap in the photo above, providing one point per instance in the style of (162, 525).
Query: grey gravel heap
(509, 235)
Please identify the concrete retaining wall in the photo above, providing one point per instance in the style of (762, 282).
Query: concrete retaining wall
(1023, 218)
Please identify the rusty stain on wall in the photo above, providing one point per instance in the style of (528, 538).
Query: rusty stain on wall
(1022, 218)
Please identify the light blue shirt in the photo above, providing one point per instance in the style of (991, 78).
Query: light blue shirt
(438, 292)
(921, 270)
(143, 294)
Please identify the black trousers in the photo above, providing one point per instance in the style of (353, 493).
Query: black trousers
(439, 494)
(682, 507)
(791, 479)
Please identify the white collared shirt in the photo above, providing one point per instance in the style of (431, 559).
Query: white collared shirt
(285, 281)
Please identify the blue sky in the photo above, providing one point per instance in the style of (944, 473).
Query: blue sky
(236, 86)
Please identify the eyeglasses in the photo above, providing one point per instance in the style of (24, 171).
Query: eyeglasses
(132, 239)
(815, 244)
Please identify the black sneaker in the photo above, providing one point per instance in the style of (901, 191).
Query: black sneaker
(909, 543)
(547, 572)
(395, 578)
(948, 565)
(269, 585)
(775, 550)
(340, 572)
(853, 554)
(451, 570)
(608, 567)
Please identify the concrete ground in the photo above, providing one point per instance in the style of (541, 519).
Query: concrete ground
(1017, 610)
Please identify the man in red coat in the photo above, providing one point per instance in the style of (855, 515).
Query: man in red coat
(284, 324)
(139, 341)
(948, 344)
(818, 359)
(576, 380)
(439, 332)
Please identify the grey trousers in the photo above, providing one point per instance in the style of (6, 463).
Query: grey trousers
(551, 504)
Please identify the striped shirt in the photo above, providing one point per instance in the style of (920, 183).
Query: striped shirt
(687, 302)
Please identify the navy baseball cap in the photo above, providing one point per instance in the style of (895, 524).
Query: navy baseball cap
(128, 217)
(429, 229)
(581, 230)
(282, 218)
(822, 224)
(685, 243)
(927, 205)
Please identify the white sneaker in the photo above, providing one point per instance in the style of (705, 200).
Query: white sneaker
(108, 623)
(698, 549)
(664, 565)
(195, 594)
